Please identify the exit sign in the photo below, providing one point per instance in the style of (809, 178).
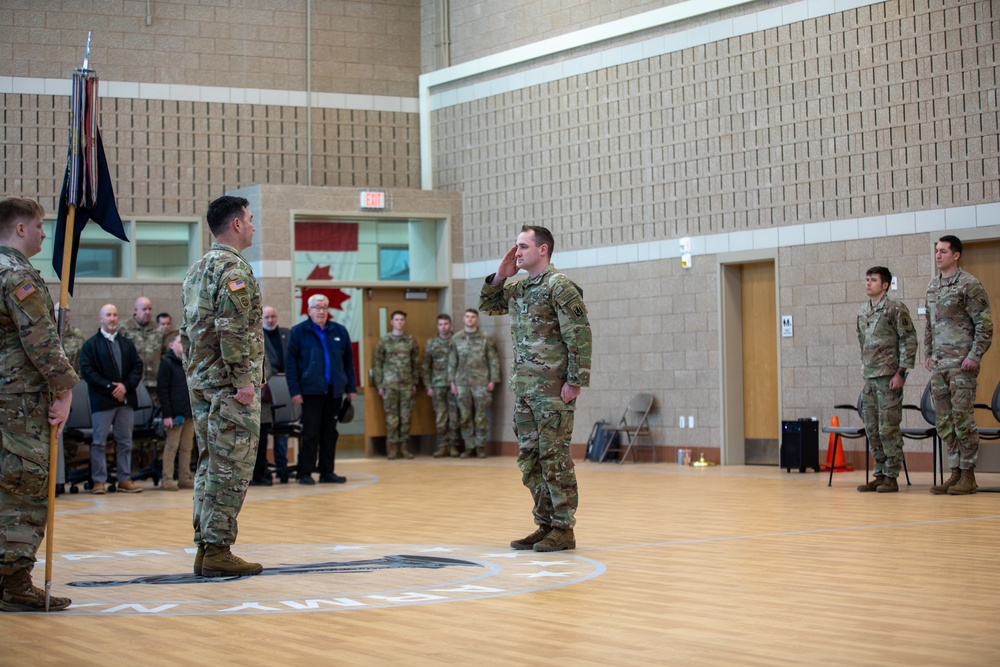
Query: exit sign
(372, 199)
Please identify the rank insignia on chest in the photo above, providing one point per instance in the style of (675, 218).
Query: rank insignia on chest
(236, 285)
(24, 291)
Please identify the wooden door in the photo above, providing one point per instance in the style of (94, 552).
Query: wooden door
(421, 323)
(982, 259)
(761, 429)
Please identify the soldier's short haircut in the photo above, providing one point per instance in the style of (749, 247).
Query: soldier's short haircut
(397, 312)
(17, 209)
(316, 298)
(953, 241)
(162, 315)
(542, 237)
(884, 275)
(444, 316)
(472, 310)
(222, 211)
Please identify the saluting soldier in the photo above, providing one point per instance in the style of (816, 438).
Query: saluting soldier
(396, 376)
(888, 351)
(958, 331)
(223, 343)
(474, 369)
(435, 367)
(36, 380)
(552, 345)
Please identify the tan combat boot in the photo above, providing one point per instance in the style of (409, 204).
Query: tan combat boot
(875, 482)
(404, 450)
(199, 558)
(889, 485)
(393, 450)
(526, 543)
(559, 539)
(20, 595)
(466, 453)
(439, 452)
(942, 488)
(481, 452)
(453, 451)
(219, 561)
(965, 485)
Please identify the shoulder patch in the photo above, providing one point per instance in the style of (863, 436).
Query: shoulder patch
(237, 285)
(24, 291)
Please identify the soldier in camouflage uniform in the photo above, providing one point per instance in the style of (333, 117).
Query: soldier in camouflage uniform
(958, 331)
(396, 375)
(150, 341)
(888, 351)
(474, 369)
(435, 378)
(72, 342)
(36, 380)
(223, 343)
(551, 340)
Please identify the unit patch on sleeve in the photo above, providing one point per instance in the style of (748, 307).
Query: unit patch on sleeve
(237, 285)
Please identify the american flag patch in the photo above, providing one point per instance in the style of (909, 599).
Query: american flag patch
(236, 285)
(24, 291)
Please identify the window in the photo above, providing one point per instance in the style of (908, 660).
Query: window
(160, 250)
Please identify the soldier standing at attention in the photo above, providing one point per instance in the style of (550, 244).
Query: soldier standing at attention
(36, 380)
(223, 343)
(551, 338)
(888, 351)
(958, 332)
(396, 376)
(150, 341)
(474, 369)
(435, 369)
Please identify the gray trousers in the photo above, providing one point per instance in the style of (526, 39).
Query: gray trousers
(118, 422)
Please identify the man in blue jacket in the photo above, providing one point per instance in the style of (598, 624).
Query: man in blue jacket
(112, 368)
(320, 372)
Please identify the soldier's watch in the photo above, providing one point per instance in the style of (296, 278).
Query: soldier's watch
(901, 373)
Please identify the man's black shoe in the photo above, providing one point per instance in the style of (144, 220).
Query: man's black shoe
(261, 481)
(332, 478)
(307, 480)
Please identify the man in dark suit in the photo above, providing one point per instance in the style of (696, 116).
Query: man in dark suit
(277, 354)
(112, 368)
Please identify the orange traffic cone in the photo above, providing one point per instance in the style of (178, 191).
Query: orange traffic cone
(838, 463)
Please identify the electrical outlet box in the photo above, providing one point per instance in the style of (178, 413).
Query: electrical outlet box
(681, 422)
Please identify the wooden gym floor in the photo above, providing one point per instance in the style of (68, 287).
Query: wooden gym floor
(408, 564)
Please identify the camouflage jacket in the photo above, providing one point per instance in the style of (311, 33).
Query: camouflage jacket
(151, 344)
(435, 364)
(474, 361)
(73, 341)
(396, 361)
(221, 331)
(887, 337)
(959, 323)
(31, 357)
(550, 333)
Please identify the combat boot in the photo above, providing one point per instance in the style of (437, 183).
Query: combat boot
(481, 452)
(942, 488)
(439, 452)
(890, 485)
(526, 543)
(393, 451)
(20, 595)
(404, 451)
(965, 485)
(220, 561)
(875, 482)
(453, 451)
(558, 539)
(199, 558)
(466, 453)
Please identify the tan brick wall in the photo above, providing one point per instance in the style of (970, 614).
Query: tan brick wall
(358, 47)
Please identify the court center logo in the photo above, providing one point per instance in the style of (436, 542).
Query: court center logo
(308, 578)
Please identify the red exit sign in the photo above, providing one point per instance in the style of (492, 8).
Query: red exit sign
(371, 199)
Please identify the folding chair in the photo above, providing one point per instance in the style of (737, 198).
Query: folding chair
(849, 432)
(634, 424)
(926, 410)
(990, 432)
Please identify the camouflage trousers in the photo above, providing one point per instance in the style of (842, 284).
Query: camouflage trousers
(954, 394)
(24, 476)
(474, 415)
(398, 403)
(445, 417)
(882, 411)
(227, 433)
(547, 469)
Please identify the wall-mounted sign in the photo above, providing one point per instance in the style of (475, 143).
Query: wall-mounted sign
(373, 199)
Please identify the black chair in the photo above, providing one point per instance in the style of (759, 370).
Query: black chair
(849, 432)
(990, 432)
(633, 425)
(78, 428)
(145, 429)
(285, 420)
(929, 432)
